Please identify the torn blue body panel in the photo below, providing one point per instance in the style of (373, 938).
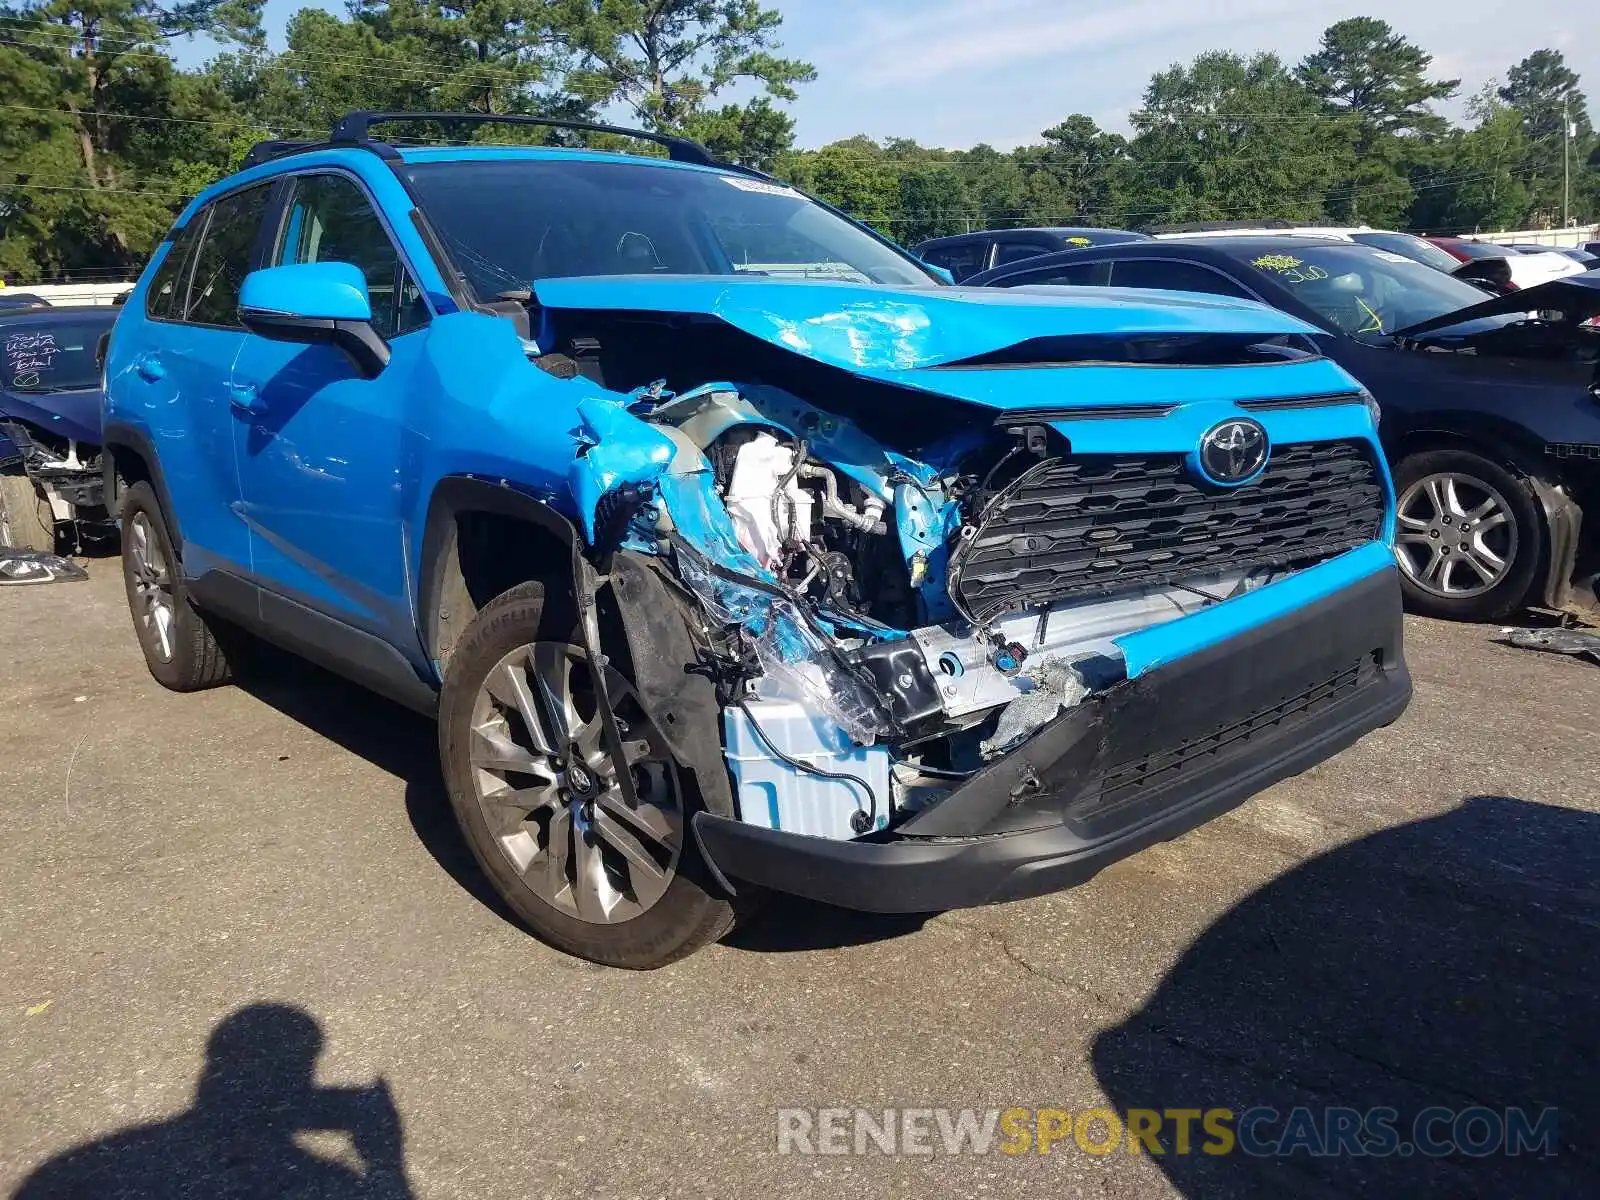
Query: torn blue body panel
(615, 448)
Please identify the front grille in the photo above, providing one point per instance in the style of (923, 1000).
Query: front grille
(1096, 525)
(1157, 770)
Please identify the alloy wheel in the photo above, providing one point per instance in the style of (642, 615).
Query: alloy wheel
(548, 787)
(152, 586)
(1455, 535)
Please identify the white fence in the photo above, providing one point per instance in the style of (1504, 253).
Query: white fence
(73, 293)
(1543, 237)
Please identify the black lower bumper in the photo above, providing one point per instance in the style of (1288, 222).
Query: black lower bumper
(1144, 762)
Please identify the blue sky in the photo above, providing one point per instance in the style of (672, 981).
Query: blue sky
(957, 72)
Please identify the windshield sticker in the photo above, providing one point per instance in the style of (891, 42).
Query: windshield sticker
(1390, 256)
(757, 185)
(1288, 268)
(1079, 241)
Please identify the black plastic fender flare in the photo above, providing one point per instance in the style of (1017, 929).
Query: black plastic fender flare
(119, 435)
(464, 493)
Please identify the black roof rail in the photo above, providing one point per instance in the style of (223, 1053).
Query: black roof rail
(263, 152)
(267, 151)
(354, 129)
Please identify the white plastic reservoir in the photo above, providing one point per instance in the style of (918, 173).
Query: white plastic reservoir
(775, 795)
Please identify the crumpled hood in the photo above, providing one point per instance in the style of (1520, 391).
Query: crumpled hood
(881, 330)
(1576, 298)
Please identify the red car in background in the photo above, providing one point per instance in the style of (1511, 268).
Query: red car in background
(1504, 268)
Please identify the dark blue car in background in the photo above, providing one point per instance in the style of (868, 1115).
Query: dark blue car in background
(966, 254)
(50, 395)
(1489, 404)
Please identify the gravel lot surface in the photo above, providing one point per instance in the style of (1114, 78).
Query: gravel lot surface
(271, 871)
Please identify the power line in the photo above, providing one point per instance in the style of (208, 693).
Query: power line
(396, 71)
(118, 116)
(42, 187)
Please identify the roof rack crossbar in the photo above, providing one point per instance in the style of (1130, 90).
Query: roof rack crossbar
(355, 129)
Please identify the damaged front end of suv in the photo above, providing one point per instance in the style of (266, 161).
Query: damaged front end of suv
(730, 548)
(990, 589)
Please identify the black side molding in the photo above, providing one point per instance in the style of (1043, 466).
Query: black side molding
(324, 640)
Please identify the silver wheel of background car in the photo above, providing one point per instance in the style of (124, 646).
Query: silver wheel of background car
(152, 586)
(1454, 535)
(548, 788)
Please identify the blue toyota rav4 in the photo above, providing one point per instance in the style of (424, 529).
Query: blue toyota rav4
(733, 549)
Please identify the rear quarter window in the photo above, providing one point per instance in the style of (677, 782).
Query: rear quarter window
(169, 287)
(224, 257)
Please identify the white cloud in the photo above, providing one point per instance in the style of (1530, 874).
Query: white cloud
(963, 37)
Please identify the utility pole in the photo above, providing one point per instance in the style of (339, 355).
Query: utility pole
(1566, 169)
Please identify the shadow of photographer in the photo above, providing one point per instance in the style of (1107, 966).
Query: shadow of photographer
(244, 1136)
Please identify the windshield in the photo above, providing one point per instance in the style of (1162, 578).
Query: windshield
(1411, 246)
(1361, 291)
(53, 357)
(510, 223)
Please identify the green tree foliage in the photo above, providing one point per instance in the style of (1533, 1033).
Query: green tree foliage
(1365, 70)
(932, 203)
(667, 60)
(1483, 186)
(756, 134)
(1544, 93)
(1373, 84)
(1228, 137)
(1088, 166)
(86, 181)
(855, 174)
(102, 136)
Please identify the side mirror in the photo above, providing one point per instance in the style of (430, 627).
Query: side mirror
(312, 304)
(943, 273)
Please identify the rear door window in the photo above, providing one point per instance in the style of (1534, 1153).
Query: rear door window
(225, 256)
(1015, 251)
(1172, 276)
(1085, 274)
(963, 260)
(169, 288)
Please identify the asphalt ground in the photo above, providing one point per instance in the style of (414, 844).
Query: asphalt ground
(243, 952)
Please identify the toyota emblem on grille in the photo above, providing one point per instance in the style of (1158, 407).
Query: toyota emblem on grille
(1233, 452)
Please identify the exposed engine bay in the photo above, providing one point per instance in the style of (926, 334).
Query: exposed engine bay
(898, 596)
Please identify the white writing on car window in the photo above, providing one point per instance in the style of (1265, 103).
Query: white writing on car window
(27, 356)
